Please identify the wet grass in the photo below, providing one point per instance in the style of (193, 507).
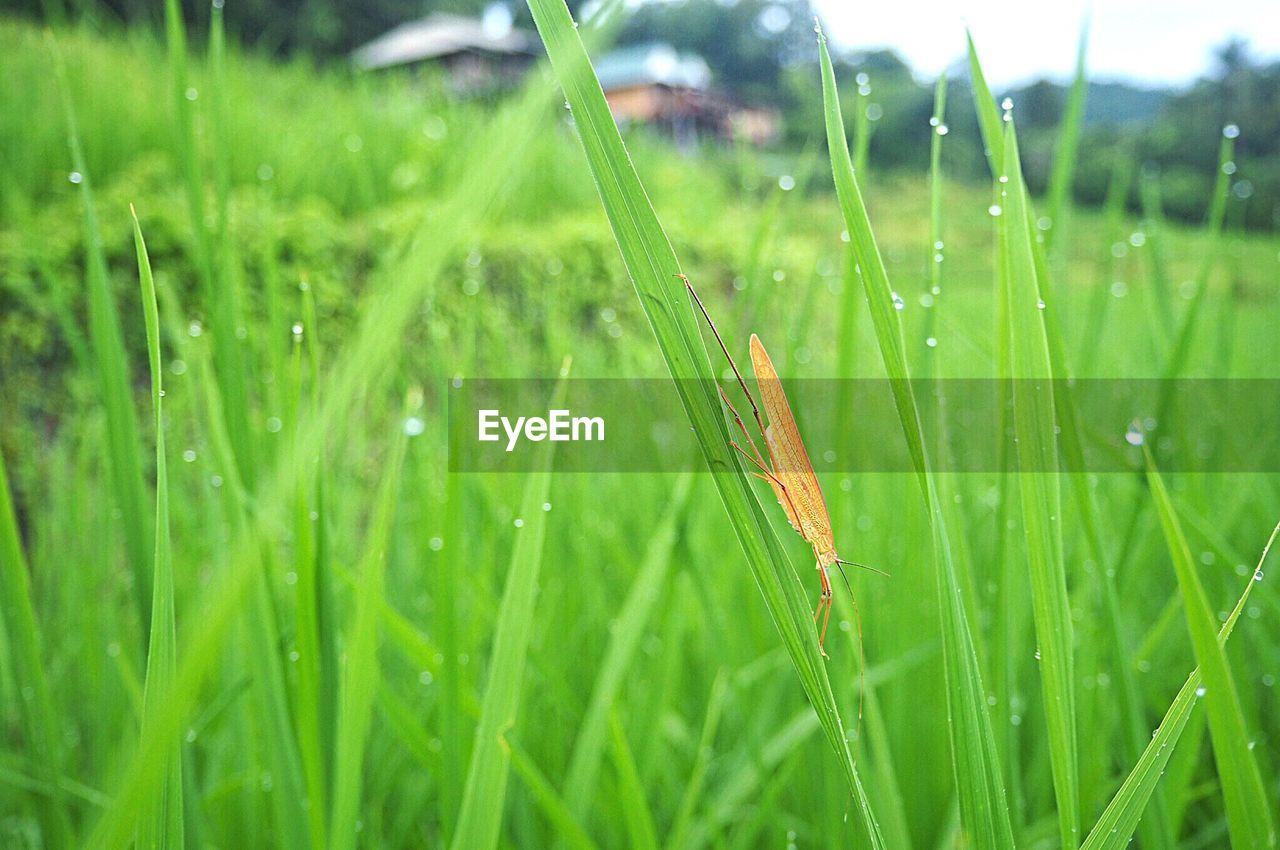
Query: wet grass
(371, 651)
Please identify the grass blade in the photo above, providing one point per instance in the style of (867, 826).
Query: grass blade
(554, 808)
(360, 675)
(1035, 422)
(1248, 809)
(124, 460)
(483, 796)
(1114, 829)
(631, 793)
(18, 617)
(162, 825)
(976, 763)
(632, 620)
(651, 264)
(1064, 157)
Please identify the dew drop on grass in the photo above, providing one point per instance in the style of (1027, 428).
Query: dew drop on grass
(414, 426)
(1268, 680)
(1134, 435)
(195, 328)
(1119, 289)
(932, 342)
(933, 121)
(192, 94)
(1004, 178)
(1137, 239)
(76, 177)
(786, 182)
(191, 736)
(994, 210)
(1257, 574)
(215, 481)
(926, 299)
(425, 677)
(1231, 131)
(1228, 168)
(274, 424)
(546, 506)
(1006, 104)
(519, 523)
(941, 130)
(297, 329)
(898, 303)
(291, 578)
(1200, 691)
(435, 544)
(1037, 655)
(1040, 304)
(189, 455)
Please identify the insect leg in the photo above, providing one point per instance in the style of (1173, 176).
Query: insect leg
(824, 607)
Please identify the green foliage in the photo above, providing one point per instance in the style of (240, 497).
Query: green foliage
(336, 664)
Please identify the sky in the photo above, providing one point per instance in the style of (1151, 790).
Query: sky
(1157, 42)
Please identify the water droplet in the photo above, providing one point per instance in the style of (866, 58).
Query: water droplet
(435, 544)
(519, 523)
(1200, 691)
(1037, 655)
(1231, 131)
(932, 342)
(413, 426)
(926, 299)
(274, 424)
(1134, 435)
(994, 209)
(195, 328)
(189, 455)
(934, 121)
(1119, 289)
(76, 177)
(425, 677)
(1228, 168)
(1015, 720)
(898, 303)
(546, 506)
(215, 481)
(290, 578)
(942, 129)
(786, 182)
(190, 736)
(779, 275)
(297, 329)
(937, 258)
(1004, 178)
(1137, 239)
(862, 78)
(1040, 303)
(192, 94)
(161, 393)
(1006, 104)
(1257, 574)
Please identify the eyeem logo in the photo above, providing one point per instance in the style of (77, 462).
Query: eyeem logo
(559, 426)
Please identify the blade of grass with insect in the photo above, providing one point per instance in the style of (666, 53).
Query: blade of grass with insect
(976, 763)
(1035, 423)
(42, 742)
(1064, 156)
(624, 638)
(1114, 828)
(161, 824)
(652, 264)
(124, 459)
(1247, 807)
(484, 794)
(360, 676)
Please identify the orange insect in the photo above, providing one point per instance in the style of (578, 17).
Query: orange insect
(788, 471)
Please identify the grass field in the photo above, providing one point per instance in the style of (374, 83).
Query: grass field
(291, 626)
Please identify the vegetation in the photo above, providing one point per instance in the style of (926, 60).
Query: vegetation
(234, 417)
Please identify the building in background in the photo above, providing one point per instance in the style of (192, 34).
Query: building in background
(478, 55)
(656, 85)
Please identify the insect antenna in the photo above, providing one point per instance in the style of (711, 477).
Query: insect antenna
(863, 566)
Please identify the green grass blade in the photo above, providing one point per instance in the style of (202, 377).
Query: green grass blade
(990, 123)
(1114, 829)
(162, 825)
(124, 460)
(651, 263)
(636, 813)
(1064, 157)
(976, 762)
(632, 620)
(1035, 423)
(360, 676)
(553, 807)
(485, 791)
(18, 617)
(1248, 809)
(696, 784)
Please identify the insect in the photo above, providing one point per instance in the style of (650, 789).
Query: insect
(787, 470)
